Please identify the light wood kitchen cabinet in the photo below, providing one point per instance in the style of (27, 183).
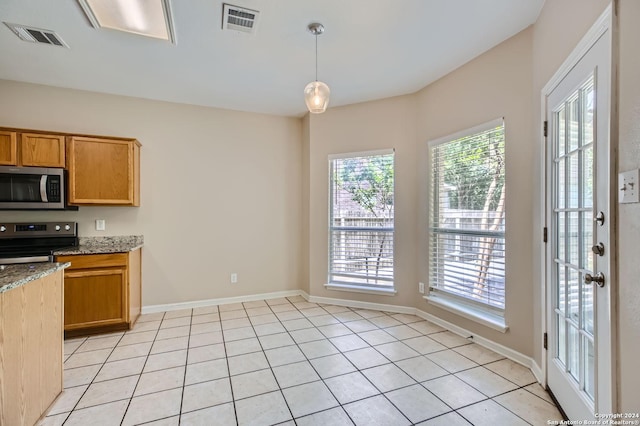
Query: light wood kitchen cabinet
(42, 150)
(8, 148)
(31, 149)
(103, 171)
(102, 292)
(30, 349)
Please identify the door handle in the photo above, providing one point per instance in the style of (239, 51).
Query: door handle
(598, 279)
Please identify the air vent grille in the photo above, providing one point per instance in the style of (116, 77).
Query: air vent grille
(239, 19)
(36, 35)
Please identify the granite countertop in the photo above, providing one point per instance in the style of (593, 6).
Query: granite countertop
(12, 276)
(103, 245)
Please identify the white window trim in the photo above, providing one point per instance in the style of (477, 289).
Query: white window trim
(361, 154)
(363, 288)
(479, 312)
(468, 132)
(483, 315)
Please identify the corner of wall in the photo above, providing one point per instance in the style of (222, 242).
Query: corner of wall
(306, 144)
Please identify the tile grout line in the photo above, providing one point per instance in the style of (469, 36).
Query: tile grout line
(297, 345)
(314, 368)
(416, 382)
(352, 332)
(271, 367)
(290, 333)
(226, 357)
(323, 380)
(89, 385)
(186, 367)
(124, 416)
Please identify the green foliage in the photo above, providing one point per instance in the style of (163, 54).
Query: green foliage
(369, 181)
(470, 166)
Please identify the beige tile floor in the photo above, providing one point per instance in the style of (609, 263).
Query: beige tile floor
(291, 362)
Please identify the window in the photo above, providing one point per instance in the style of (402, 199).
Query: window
(467, 218)
(361, 220)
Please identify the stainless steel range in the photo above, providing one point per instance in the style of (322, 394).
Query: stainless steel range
(35, 242)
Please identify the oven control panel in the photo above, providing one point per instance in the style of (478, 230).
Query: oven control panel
(38, 229)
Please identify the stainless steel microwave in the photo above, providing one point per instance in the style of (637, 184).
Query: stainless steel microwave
(27, 188)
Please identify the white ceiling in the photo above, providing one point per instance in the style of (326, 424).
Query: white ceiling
(371, 49)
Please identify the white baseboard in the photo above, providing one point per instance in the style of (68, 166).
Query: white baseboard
(489, 344)
(221, 301)
(537, 372)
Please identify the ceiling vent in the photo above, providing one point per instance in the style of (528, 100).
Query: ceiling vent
(36, 35)
(239, 19)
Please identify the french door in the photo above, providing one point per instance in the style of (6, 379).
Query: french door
(579, 362)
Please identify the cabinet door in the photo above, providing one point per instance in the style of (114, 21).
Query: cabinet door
(52, 339)
(30, 349)
(42, 150)
(95, 297)
(103, 171)
(134, 275)
(8, 148)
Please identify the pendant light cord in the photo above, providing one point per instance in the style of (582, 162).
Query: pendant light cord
(316, 57)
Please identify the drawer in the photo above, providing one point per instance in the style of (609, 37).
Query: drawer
(84, 261)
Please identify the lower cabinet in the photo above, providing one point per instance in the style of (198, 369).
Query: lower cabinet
(30, 349)
(102, 292)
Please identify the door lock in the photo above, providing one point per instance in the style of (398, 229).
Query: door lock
(598, 279)
(599, 218)
(598, 249)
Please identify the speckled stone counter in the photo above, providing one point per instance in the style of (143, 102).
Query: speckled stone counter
(104, 245)
(13, 276)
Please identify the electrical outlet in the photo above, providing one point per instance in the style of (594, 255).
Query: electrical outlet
(101, 224)
(234, 278)
(421, 288)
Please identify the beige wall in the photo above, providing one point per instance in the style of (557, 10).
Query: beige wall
(559, 28)
(306, 199)
(267, 216)
(629, 214)
(496, 84)
(554, 39)
(221, 190)
(387, 123)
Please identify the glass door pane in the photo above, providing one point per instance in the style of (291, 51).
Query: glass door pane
(573, 218)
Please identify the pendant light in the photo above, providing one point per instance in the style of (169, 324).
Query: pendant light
(316, 94)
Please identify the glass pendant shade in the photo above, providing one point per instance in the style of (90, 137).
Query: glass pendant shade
(316, 96)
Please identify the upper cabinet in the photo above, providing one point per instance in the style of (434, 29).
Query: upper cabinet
(31, 149)
(8, 148)
(103, 171)
(41, 150)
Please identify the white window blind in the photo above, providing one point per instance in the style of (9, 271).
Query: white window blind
(361, 219)
(467, 216)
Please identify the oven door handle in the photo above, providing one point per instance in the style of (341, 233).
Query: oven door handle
(43, 188)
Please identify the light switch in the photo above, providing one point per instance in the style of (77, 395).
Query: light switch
(100, 224)
(628, 191)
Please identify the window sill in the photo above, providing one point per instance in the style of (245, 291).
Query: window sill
(473, 313)
(361, 289)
